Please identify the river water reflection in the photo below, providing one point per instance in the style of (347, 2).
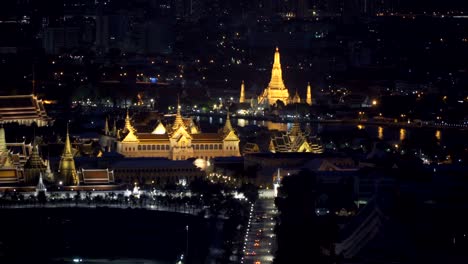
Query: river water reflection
(447, 137)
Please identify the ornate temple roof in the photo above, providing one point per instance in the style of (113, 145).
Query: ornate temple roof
(179, 121)
(35, 161)
(160, 129)
(23, 109)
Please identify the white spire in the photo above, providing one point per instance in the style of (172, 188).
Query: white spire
(40, 186)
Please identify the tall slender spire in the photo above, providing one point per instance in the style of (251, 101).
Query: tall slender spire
(309, 95)
(178, 122)
(276, 81)
(106, 127)
(242, 93)
(228, 126)
(128, 124)
(277, 57)
(67, 167)
(40, 185)
(67, 149)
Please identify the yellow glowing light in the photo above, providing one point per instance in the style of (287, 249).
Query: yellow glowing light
(402, 134)
(380, 133)
(374, 102)
(360, 127)
(438, 135)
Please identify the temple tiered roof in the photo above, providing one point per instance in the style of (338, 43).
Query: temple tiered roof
(23, 109)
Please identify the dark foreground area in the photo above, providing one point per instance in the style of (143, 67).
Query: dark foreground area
(47, 235)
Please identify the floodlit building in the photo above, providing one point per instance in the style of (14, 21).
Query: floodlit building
(181, 141)
(276, 90)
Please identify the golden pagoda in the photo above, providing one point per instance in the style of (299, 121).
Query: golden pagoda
(67, 170)
(128, 125)
(242, 93)
(276, 89)
(309, 95)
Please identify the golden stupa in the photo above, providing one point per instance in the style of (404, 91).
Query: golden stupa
(276, 89)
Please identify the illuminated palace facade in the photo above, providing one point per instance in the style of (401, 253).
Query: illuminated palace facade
(276, 90)
(180, 141)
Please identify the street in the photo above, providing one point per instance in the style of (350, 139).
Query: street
(260, 240)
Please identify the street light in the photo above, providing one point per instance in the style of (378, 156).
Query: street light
(186, 243)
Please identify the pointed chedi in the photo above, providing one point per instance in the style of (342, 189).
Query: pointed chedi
(67, 169)
(40, 185)
(179, 121)
(309, 95)
(276, 89)
(227, 126)
(128, 124)
(242, 93)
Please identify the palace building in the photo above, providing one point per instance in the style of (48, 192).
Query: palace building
(180, 141)
(276, 90)
(24, 110)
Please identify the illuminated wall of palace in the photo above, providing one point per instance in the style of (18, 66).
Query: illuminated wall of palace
(181, 141)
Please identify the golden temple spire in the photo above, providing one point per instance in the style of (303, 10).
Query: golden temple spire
(67, 168)
(277, 58)
(178, 122)
(242, 93)
(228, 126)
(67, 149)
(276, 81)
(276, 89)
(309, 95)
(128, 124)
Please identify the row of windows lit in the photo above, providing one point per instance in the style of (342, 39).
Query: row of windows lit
(167, 147)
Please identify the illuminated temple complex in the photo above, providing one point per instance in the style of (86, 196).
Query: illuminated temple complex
(276, 90)
(180, 141)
